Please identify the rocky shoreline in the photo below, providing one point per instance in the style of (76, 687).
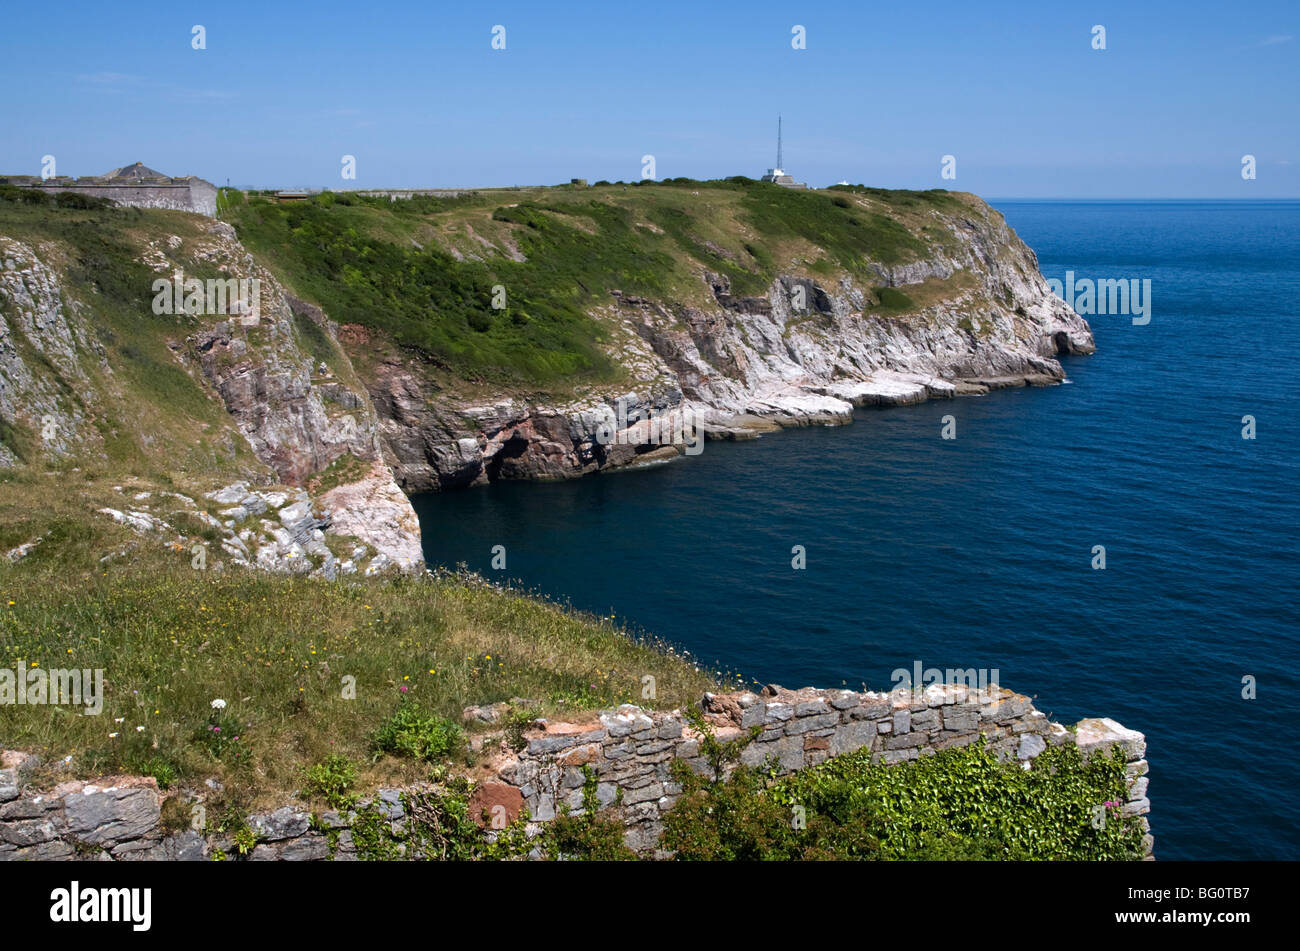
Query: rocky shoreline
(309, 396)
(750, 365)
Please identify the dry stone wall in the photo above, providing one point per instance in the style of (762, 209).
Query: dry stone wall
(629, 749)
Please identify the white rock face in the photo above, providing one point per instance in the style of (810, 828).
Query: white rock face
(377, 512)
(753, 364)
(38, 322)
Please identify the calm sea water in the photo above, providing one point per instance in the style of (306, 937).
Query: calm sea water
(977, 552)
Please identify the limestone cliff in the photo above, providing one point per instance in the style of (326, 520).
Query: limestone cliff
(916, 296)
(970, 315)
(68, 398)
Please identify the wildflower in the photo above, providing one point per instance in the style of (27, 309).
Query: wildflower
(403, 688)
(218, 704)
(139, 729)
(112, 736)
(216, 729)
(118, 719)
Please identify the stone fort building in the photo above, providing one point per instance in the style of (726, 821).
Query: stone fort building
(135, 185)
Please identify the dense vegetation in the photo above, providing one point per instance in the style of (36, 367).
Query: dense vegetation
(423, 270)
(960, 803)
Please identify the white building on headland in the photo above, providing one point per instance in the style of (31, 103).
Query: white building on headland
(777, 175)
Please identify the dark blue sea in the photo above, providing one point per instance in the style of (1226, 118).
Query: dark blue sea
(977, 552)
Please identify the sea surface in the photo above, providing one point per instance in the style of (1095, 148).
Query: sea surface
(978, 551)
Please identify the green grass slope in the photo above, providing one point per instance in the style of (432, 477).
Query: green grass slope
(422, 271)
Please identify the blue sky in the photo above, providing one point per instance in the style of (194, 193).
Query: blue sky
(1014, 91)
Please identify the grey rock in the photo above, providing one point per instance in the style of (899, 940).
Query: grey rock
(852, 736)
(28, 832)
(1031, 744)
(811, 708)
(925, 720)
(312, 847)
(778, 712)
(285, 823)
(808, 724)
(670, 729)
(844, 700)
(100, 816)
(960, 720)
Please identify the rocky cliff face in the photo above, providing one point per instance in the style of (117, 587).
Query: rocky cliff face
(286, 387)
(41, 341)
(971, 314)
(974, 315)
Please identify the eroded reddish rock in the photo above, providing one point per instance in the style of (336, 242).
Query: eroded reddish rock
(487, 797)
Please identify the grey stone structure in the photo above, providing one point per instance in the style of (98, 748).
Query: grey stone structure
(629, 749)
(136, 186)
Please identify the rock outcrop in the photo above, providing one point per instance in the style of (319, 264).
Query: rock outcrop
(287, 387)
(807, 353)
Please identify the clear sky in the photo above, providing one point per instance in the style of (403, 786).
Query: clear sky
(415, 91)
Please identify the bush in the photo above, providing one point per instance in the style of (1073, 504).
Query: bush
(410, 732)
(438, 827)
(587, 836)
(332, 781)
(958, 804)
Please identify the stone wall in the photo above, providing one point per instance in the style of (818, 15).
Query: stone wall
(197, 195)
(629, 749)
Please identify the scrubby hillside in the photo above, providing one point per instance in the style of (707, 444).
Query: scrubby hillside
(253, 437)
(498, 331)
(207, 506)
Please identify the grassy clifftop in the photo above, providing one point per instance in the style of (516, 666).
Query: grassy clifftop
(423, 270)
(282, 652)
(140, 428)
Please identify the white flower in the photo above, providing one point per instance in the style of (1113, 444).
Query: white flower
(112, 736)
(139, 729)
(118, 719)
(218, 704)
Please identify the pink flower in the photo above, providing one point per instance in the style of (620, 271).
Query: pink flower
(403, 688)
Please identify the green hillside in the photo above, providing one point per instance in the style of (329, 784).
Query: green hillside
(422, 270)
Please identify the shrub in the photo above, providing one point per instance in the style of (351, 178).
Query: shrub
(956, 804)
(587, 836)
(413, 733)
(332, 781)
